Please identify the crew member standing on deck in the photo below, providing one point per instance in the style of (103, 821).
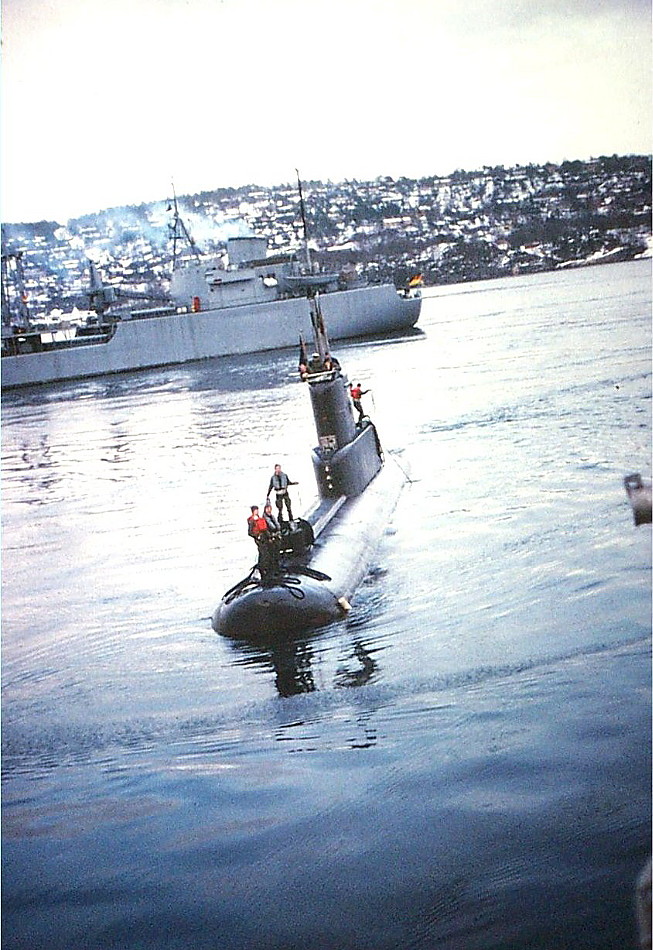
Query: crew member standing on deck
(279, 484)
(253, 527)
(270, 520)
(274, 535)
(257, 528)
(356, 394)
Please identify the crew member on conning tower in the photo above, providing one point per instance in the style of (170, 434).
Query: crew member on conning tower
(356, 394)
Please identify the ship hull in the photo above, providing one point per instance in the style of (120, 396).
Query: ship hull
(342, 553)
(141, 343)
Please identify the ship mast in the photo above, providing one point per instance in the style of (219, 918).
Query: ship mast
(303, 211)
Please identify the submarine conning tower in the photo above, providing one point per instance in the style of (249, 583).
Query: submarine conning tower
(348, 455)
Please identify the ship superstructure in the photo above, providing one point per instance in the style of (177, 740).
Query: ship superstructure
(248, 303)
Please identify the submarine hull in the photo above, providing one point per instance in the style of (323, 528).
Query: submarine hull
(342, 555)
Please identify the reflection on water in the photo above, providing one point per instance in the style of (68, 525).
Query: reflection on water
(364, 667)
(464, 761)
(291, 659)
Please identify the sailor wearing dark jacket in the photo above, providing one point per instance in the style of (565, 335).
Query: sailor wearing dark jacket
(279, 484)
(271, 521)
(273, 536)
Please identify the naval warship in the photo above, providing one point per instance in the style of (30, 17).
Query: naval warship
(254, 303)
(317, 561)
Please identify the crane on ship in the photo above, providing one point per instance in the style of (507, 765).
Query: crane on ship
(15, 312)
(103, 296)
(179, 230)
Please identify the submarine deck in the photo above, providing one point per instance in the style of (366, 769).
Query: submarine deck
(323, 510)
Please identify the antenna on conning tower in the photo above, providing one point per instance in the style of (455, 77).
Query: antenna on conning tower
(178, 230)
(319, 328)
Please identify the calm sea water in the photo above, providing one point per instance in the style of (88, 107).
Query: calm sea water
(464, 763)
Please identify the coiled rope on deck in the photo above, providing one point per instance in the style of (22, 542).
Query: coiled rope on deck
(284, 578)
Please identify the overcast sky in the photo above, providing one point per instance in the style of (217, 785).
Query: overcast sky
(104, 102)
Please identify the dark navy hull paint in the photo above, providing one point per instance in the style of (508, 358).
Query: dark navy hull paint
(292, 605)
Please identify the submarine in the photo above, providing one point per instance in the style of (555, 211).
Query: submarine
(323, 556)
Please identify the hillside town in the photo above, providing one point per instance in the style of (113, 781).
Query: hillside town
(470, 225)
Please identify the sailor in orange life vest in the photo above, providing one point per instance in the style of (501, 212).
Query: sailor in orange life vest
(280, 482)
(356, 394)
(268, 552)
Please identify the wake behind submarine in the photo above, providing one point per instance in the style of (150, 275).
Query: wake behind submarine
(322, 557)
